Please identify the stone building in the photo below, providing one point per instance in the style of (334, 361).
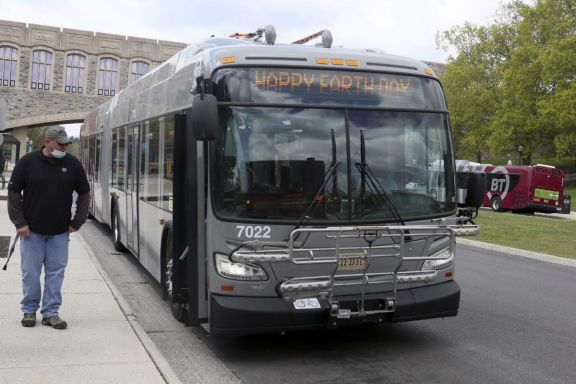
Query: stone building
(50, 75)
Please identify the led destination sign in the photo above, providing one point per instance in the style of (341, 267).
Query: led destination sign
(346, 84)
(327, 87)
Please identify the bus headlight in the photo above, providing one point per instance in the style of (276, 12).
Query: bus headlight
(238, 271)
(443, 259)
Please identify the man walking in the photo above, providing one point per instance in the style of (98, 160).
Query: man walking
(43, 218)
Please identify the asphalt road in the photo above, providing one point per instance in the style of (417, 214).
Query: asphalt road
(517, 324)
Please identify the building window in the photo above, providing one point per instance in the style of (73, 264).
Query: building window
(107, 79)
(8, 59)
(137, 70)
(41, 69)
(75, 65)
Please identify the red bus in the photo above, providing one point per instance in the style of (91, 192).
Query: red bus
(526, 188)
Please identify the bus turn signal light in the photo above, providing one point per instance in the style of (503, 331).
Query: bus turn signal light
(229, 60)
(227, 288)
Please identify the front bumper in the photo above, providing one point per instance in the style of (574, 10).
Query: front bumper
(235, 316)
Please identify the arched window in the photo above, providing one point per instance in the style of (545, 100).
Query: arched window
(8, 60)
(138, 69)
(41, 69)
(107, 77)
(75, 65)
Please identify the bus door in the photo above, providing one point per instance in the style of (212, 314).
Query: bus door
(97, 186)
(87, 156)
(132, 190)
(189, 220)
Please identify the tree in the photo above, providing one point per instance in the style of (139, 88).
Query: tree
(540, 70)
(37, 136)
(514, 82)
(473, 80)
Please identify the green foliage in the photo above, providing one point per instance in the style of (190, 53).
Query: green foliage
(514, 81)
(37, 136)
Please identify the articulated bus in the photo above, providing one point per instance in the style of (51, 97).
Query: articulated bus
(273, 187)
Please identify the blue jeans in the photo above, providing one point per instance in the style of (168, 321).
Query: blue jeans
(51, 252)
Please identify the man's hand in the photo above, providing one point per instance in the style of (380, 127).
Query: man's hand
(24, 231)
(71, 229)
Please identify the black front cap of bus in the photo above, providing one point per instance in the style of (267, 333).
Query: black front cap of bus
(234, 316)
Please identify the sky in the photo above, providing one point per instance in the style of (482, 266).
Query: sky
(403, 27)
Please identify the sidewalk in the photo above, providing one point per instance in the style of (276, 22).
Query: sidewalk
(103, 342)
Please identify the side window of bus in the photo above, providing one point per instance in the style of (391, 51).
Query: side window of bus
(92, 171)
(168, 163)
(118, 174)
(97, 148)
(150, 158)
(121, 160)
(114, 149)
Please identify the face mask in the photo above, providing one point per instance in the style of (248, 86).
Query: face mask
(57, 154)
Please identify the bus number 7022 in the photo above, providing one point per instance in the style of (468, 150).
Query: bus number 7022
(253, 232)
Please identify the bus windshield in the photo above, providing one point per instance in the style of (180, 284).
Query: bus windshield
(271, 163)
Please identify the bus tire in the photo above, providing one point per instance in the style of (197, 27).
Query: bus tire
(116, 241)
(496, 204)
(178, 309)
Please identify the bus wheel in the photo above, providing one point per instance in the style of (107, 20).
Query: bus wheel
(178, 309)
(116, 231)
(496, 204)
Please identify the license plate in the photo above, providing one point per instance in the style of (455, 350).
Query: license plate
(351, 262)
(310, 303)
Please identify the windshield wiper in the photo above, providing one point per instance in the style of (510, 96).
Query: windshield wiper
(367, 173)
(330, 174)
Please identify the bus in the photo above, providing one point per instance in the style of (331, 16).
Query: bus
(279, 187)
(524, 188)
(520, 188)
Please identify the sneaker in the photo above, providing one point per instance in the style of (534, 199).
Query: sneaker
(29, 320)
(55, 322)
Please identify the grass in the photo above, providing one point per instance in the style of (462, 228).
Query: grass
(532, 233)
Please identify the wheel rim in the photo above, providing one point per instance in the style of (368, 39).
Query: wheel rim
(169, 278)
(169, 266)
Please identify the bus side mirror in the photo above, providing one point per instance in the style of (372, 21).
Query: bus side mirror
(471, 188)
(202, 118)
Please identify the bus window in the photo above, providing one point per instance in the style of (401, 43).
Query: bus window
(114, 156)
(97, 152)
(150, 157)
(121, 159)
(396, 154)
(271, 162)
(168, 164)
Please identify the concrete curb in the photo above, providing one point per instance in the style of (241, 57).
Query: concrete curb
(157, 358)
(519, 252)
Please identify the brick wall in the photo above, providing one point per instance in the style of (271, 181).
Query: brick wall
(28, 107)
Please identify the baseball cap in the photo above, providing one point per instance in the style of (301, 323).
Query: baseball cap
(58, 134)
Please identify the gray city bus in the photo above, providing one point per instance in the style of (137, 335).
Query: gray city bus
(271, 188)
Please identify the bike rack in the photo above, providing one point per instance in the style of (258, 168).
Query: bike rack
(324, 285)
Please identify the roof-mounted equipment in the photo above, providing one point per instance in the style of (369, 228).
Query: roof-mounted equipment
(269, 33)
(326, 38)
